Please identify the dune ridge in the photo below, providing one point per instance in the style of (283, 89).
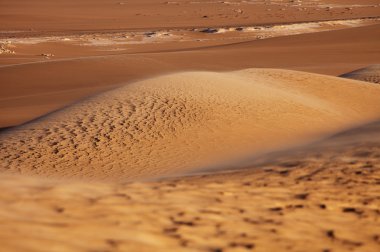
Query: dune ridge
(369, 74)
(183, 121)
(74, 79)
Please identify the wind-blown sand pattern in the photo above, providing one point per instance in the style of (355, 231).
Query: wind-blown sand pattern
(369, 74)
(185, 121)
(324, 198)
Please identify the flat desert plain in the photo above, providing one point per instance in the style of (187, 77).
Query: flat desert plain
(241, 125)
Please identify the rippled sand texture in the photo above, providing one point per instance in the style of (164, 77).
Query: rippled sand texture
(320, 199)
(185, 121)
(369, 74)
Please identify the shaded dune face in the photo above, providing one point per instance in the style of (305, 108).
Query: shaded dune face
(185, 121)
(368, 74)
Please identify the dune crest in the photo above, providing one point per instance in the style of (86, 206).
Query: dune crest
(185, 121)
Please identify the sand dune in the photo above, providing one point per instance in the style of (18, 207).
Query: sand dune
(369, 74)
(32, 90)
(141, 132)
(185, 121)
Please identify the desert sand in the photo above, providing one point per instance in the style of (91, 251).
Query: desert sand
(186, 121)
(325, 198)
(50, 67)
(189, 125)
(284, 201)
(38, 88)
(78, 16)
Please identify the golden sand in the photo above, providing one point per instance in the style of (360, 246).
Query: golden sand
(185, 121)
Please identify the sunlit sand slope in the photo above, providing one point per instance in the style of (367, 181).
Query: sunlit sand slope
(369, 74)
(185, 121)
(323, 198)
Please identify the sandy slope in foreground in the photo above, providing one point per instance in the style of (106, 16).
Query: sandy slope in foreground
(321, 198)
(325, 198)
(185, 121)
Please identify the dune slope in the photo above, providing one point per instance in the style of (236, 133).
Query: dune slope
(316, 199)
(369, 74)
(185, 121)
(35, 89)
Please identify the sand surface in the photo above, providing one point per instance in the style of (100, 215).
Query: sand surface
(53, 53)
(321, 198)
(78, 16)
(147, 125)
(30, 90)
(185, 121)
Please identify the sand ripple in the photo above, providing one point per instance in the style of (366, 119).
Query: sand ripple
(185, 121)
